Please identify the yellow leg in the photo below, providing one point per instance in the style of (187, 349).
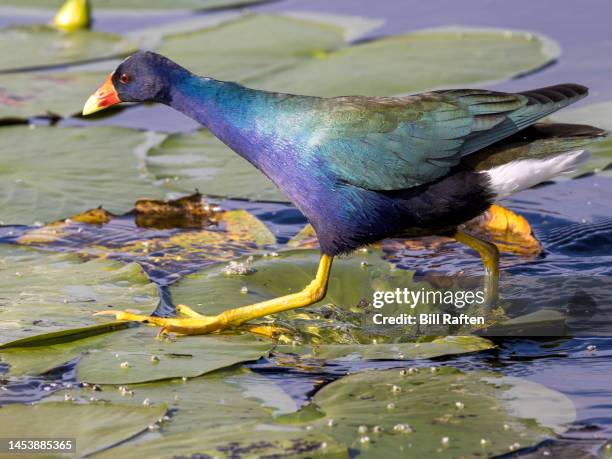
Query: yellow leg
(490, 259)
(197, 324)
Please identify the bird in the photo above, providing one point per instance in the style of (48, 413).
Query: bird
(365, 168)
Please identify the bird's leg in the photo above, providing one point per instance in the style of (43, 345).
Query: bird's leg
(490, 259)
(198, 324)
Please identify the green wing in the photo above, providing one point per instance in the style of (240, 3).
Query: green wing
(401, 142)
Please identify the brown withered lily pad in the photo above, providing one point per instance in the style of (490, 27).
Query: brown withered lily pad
(186, 212)
(168, 238)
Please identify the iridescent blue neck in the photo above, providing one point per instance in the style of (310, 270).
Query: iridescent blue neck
(224, 108)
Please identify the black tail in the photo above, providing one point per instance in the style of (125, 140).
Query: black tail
(561, 94)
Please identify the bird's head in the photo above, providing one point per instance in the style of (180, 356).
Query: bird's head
(143, 77)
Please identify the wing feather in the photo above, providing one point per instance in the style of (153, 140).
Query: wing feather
(395, 143)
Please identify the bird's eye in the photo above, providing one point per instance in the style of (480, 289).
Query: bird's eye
(124, 78)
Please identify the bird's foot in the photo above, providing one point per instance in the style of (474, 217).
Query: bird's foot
(197, 324)
(193, 324)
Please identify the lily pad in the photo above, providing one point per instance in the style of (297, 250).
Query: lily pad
(447, 345)
(598, 115)
(44, 293)
(223, 393)
(251, 47)
(135, 356)
(468, 56)
(183, 162)
(26, 95)
(259, 441)
(98, 427)
(215, 414)
(137, 4)
(38, 46)
(55, 173)
(441, 412)
(289, 54)
(146, 236)
(36, 360)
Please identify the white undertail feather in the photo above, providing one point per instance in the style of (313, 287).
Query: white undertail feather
(525, 173)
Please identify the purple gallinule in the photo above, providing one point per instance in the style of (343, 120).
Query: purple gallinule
(362, 169)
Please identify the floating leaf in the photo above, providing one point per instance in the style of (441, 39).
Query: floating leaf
(38, 46)
(448, 345)
(26, 95)
(149, 236)
(44, 293)
(137, 4)
(251, 47)
(470, 56)
(305, 238)
(301, 56)
(249, 441)
(129, 357)
(221, 393)
(442, 412)
(36, 360)
(94, 426)
(598, 115)
(543, 322)
(187, 212)
(214, 414)
(59, 172)
(183, 162)
(244, 226)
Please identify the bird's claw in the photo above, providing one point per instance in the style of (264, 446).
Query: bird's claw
(193, 324)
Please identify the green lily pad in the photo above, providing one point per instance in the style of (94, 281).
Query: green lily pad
(447, 345)
(94, 427)
(302, 56)
(416, 62)
(38, 46)
(183, 162)
(598, 115)
(439, 413)
(136, 355)
(36, 360)
(256, 441)
(232, 395)
(137, 4)
(251, 47)
(344, 316)
(215, 414)
(543, 322)
(44, 293)
(55, 173)
(26, 95)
